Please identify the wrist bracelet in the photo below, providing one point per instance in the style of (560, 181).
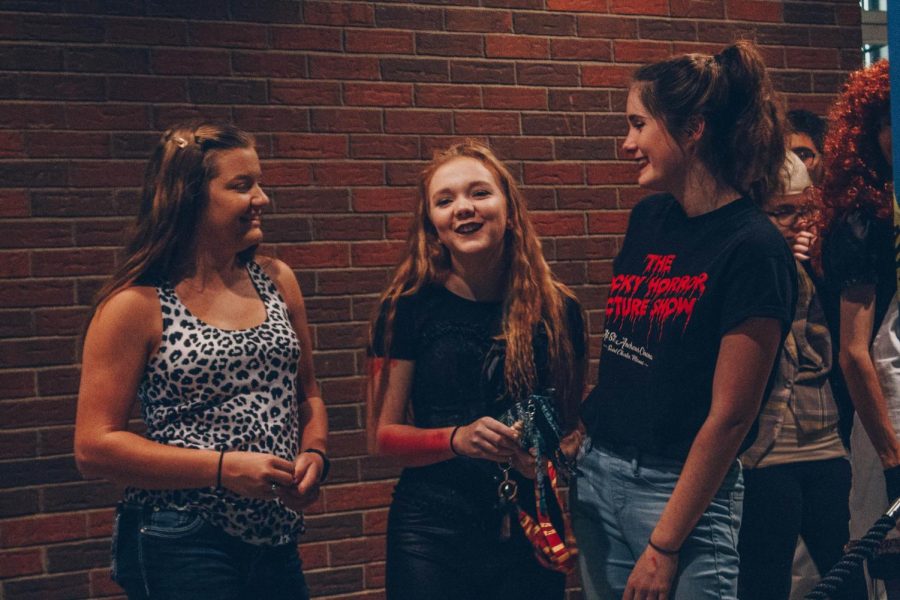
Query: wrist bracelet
(453, 435)
(326, 464)
(663, 551)
(219, 470)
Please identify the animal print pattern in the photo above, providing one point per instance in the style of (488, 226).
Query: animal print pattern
(217, 389)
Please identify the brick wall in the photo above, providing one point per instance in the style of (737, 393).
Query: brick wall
(347, 99)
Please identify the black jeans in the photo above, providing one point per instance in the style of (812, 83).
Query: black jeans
(808, 499)
(434, 554)
(177, 555)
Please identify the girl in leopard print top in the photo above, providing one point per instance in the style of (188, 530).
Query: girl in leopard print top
(214, 344)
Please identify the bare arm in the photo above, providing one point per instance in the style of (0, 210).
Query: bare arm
(308, 467)
(746, 356)
(857, 323)
(122, 335)
(415, 446)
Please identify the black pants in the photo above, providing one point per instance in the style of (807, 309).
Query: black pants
(434, 555)
(808, 499)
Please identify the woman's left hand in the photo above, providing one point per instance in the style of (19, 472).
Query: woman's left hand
(305, 490)
(652, 576)
(524, 462)
(803, 241)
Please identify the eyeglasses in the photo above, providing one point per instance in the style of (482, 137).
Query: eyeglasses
(788, 215)
(805, 154)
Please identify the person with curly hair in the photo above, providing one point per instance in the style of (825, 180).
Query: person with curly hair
(859, 265)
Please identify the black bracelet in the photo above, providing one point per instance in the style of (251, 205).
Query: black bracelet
(663, 550)
(219, 470)
(326, 464)
(453, 435)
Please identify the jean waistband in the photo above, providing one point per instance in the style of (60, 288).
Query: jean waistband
(638, 457)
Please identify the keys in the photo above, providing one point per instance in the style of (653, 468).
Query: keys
(506, 492)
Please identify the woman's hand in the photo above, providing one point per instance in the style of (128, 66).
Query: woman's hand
(525, 462)
(803, 241)
(252, 474)
(487, 438)
(305, 489)
(652, 576)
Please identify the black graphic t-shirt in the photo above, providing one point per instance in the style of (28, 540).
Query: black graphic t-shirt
(679, 285)
(458, 378)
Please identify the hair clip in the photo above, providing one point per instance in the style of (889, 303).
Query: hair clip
(180, 141)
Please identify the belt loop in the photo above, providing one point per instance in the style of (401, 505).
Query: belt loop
(635, 463)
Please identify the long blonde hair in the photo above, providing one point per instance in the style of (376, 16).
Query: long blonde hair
(173, 198)
(533, 298)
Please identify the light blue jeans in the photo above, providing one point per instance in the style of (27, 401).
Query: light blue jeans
(617, 500)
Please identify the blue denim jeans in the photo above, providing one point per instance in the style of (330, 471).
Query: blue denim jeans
(617, 499)
(176, 554)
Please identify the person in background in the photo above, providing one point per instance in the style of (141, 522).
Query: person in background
(796, 473)
(860, 273)
(472, 320)
(701, 298)
(806, 139)
(213, 343)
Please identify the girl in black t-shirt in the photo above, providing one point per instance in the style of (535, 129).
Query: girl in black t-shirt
(701, 297)
(472, 320)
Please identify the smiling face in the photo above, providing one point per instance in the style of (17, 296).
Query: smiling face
(660, 161)
(468, 209)
(232, 218)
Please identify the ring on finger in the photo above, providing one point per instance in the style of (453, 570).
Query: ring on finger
(274, 487)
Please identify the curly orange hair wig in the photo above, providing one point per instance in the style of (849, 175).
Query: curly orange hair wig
(857, 176)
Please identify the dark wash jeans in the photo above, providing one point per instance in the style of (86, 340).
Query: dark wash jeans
(175, 555)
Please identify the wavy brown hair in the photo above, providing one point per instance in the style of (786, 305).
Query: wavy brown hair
(173, 198)
(743, 137)
(532, 296)
(857, 176)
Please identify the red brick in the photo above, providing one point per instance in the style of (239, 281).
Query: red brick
(522, 148)
(42, 529)
(645, 7)
(409, 17)
(378, 94)
(709, 9)
(126, 117)
(228, 35)
(348, 228)
(486, 122)
(578, 5)
(108, 59)
(379, 41)
(39, 86)
(555, 173)
(62, 28)
(612, 173)
(414, 69)
(102, 585)
(17, 384)
(549, 74)
(299, 145)
(346, 281)
(812, 58)
(447, 96)
(383, 200)
(306, 38)
(100, 173)
(312, 200)
(18, 444)
(520, 98)
(314, 556)
(343, 67)
(375, 578)
(271, 118)
(327, 12)
(535, 23)
(12, 144)
(607, 27)
(478, 20)
(375, 521)
(754, 10)
(516, 46)
(193, 61)
(404, 173)
(641, 52)
(41, 292)
(384, 146)
(14, 203)
(558, 223)
(269, 64)
(582, 101)
(286, 172)
(449, 44)
(365, 495)
(14, 264)
(608, 222)
(36, 352)
(306, 256)
(305, 92)
(357, 551)
(17, 563)
(568, 49)
(32, 116)
(348, 173)
(59, 381)
(346, 120)
(420, 121)
(376, 254)
(152, 32)
(606, 76)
